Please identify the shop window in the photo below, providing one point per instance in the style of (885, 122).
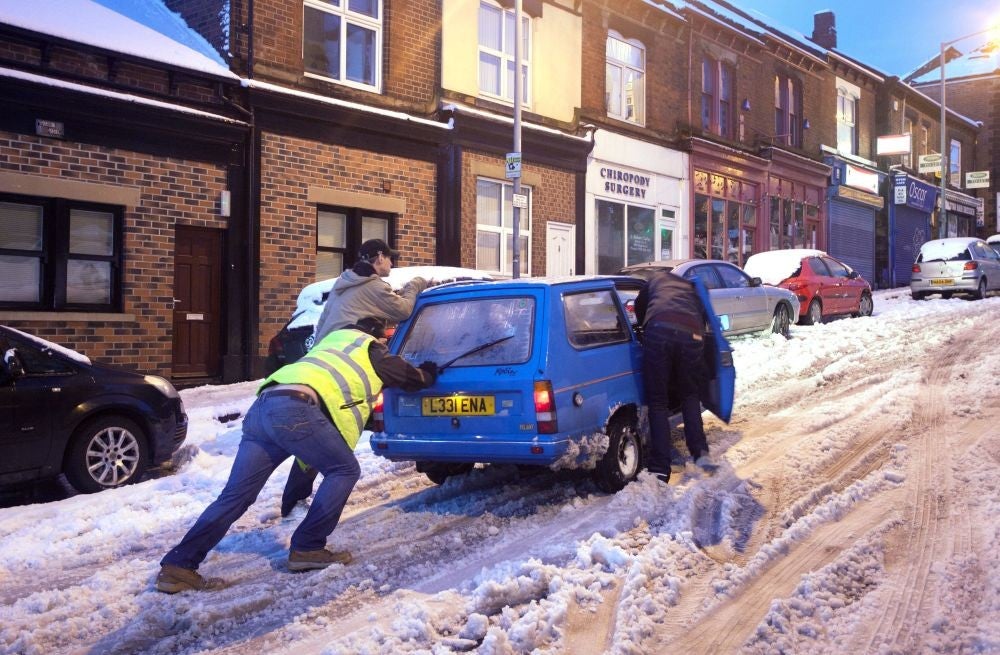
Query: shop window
(495, 228)
(724, 229)
(848, 99)
(58, 254)
(717, 97)
(340, 231)
(787, 111)
(342, 41)
(792, 224)
(624, 235)
(496, 52)
(625, 83)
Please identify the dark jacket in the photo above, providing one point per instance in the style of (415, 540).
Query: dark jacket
(669, 298)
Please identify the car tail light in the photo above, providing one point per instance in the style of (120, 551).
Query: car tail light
(545, 407)
(970, 266)
(378, 414)
(915, 269)
(796, 286)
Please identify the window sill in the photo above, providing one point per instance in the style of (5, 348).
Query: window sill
(68, 317)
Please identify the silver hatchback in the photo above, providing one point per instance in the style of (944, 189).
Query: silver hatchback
(957, 265)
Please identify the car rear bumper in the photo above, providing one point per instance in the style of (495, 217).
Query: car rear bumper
(938, 284)
(470, 449)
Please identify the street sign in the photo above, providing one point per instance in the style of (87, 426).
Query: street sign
(520, 200)
(930, 164)
(899, 190)
(977, 180)
(513, 165)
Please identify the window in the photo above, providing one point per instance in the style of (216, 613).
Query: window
(60, 254)
(495, 228)
(908, 159)
(340, 231)
(342, 40)
(787, 111)
(836, 268)
(496, 52)
(793, 224)
(624, 92)
(955, 163)
(624, 235)
(848, 97)
(725, 218)
(717, 97)
(593, 319)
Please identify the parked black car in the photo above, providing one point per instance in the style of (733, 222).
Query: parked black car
(61, 413)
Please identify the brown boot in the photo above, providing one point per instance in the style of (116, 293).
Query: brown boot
(173, 579)
(308, 560)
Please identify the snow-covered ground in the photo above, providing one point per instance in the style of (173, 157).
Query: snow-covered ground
(856, 510)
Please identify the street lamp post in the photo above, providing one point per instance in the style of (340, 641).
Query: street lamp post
(945, 152)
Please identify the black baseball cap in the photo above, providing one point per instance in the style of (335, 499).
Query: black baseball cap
(371, 248)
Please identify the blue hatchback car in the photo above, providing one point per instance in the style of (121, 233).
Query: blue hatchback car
(535, 371)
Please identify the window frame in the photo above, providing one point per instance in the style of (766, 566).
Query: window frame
(848, 96)
(343, 11)
(506, 59)
(717, 94)
(506, 233)
(353, 234)
(55, 255)
(624, 66)
(788, 110)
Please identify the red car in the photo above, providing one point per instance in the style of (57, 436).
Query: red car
(825, 286)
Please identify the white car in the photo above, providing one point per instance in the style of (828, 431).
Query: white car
(956, 265)
(994, 242)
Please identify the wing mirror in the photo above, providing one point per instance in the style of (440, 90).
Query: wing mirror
(755, 282)
(853, 275)
(12, 365)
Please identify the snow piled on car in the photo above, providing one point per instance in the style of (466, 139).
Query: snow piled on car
(775, 266)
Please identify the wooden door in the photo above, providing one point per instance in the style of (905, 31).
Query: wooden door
(197, 302)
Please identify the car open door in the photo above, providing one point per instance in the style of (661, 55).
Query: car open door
(718, 392)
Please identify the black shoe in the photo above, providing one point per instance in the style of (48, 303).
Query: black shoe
(662, 476)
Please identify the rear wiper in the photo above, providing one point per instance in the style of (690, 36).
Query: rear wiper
(483, 346)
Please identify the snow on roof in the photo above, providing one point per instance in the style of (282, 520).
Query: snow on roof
(267, 86)
(981, 61)
(775, 266)
(126, 97)
(142, 29)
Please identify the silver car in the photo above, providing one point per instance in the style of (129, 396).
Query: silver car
(742, 303)
(957, 265)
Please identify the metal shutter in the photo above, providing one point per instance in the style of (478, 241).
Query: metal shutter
(911, 230)
(852, 237)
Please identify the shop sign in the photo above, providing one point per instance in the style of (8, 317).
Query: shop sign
(899, 190)
(920, 195)
(977, 180)
(929, 164)
(625, 183)
(893, 144)
(980, 212)
(860, 178)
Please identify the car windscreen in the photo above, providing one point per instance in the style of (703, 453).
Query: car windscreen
(478, 332)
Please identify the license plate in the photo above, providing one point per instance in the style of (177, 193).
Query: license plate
(941, 281)
(458, 406)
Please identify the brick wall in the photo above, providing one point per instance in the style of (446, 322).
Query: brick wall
(553, 199)
(289, 166)
(205, 17)
(172, 192)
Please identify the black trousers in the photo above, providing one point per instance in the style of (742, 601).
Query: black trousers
(673, 367)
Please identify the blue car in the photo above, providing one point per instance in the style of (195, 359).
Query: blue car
(534, 371)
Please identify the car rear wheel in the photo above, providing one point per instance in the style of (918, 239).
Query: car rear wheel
(782, 320)
(981, 290)
(917, 295)
(866, 306)
(438, 472)
(105, 453)
(622, 462)
(814, 315)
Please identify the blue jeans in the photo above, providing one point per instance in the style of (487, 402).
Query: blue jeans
(673, 368)
(275, 428)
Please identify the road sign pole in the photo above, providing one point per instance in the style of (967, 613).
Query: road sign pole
(516, 262)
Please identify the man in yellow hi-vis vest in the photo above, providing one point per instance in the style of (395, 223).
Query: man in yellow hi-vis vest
(314, 409)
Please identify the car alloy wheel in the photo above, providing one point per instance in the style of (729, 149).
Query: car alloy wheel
(814, 315)
(866, 306)
(781, 321)
(107, 452)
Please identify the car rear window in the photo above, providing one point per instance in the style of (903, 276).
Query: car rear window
(944, 251)
(462, 331)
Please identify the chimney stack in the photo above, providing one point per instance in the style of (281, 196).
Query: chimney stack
(825, 30)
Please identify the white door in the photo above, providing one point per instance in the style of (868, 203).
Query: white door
(560, 249)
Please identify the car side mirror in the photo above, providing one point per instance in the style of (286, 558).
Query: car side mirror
(852, 275)
(12, 366)
(755, 282)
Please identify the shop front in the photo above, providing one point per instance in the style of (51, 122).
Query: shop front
(910, 206)
(634, 211)
(853, 202)
(961, 216)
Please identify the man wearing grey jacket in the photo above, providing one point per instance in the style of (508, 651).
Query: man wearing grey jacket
(360, 294)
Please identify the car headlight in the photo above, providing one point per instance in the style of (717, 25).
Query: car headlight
(163, 385)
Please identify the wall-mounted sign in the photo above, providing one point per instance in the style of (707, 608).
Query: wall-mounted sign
(860, 178)
(929, 164)
(520, 200)
(52, 129)
(893, 144)
(625, 183)
(977, 180)
(919, 195)
(899, 190)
